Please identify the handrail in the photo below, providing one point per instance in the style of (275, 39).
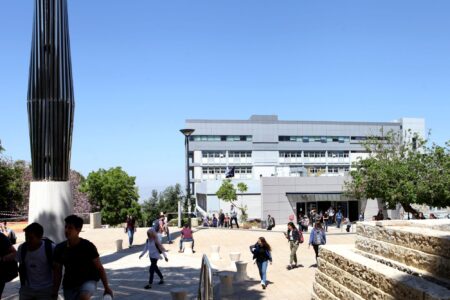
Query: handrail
(205, 287)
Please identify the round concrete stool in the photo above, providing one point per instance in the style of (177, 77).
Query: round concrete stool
(234, 257)
(178, 294)
(226, 283)
(241, 275)
(215, 252)
(119, 245)
(187, 247)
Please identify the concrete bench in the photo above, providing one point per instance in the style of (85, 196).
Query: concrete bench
(119, 245)
(234, 257)
(178, 294)
(187, 247)
(241, 274)
(226, 283)
(215, 252)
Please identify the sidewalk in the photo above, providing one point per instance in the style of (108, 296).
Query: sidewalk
(128, 275)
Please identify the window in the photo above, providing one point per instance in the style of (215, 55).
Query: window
(212, 154)
(240, 154)
(220, 138)
(336, 154)
(290, 154)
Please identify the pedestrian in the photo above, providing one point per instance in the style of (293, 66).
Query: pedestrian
(227, 220)
(155, 249)
(432, 216)
(305, 223)
(35, 258)
(348, 224)
(270, 222)
(214, 221)
(221, 218)
(339, 217)
(421, 216)
(166, 228)
(325, 221)
(261, 254)
(295, 238)
(331, 214)
(130, 229)
(317, 238)
(160, 231)
(81, 262)
(361, 216)
(380, 215)
(233, 215)
(186, 236)
(8, 264)
(10, 234)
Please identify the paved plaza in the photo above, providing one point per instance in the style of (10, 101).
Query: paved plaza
(128, 275)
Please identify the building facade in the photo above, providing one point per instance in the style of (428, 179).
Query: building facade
(288, 166)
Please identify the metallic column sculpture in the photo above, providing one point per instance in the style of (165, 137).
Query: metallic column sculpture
(187, 133)
(50, 115)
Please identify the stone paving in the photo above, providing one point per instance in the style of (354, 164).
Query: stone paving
(128, 275)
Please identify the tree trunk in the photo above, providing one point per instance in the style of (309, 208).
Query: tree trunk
(409, 209)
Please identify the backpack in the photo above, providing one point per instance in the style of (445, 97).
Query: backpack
(273, 221)
(155, 225)
(301, 238)
(23, 252)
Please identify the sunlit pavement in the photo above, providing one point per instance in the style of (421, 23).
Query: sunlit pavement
(128, 274)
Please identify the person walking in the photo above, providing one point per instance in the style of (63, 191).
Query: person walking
(155, 249)
(325, 221)
(233, 215)
(262, 255)
(294, 237)
(8, 265)
(35, 258)
(339, 217)
(186, 236)
(317, 238)
(270, 222)
(81, 262)
(221, 218)
(130, 229)
(166, 228)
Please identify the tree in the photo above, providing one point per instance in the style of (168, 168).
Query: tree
(227, 193)
(80, 199)
(402, 169)
(114, 192)
(11, 183)
(242, 188)
(150, 208)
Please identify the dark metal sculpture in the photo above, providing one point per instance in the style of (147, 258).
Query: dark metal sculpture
(50, 92)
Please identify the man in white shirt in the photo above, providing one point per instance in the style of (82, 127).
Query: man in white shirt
(35, 259)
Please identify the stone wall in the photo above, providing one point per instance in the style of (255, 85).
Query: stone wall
(390, 260)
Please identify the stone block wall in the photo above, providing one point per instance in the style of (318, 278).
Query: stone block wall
(390, 260)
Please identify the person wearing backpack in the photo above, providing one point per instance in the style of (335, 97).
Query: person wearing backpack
(35, 258)
(8, 265)
(317, 238)
(261, 253)
(339, 217)
(295, 238)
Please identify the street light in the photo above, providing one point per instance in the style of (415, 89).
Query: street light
(187, 133)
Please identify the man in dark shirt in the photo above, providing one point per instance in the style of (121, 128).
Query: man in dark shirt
(82, 264)
(7, 253)
(186, 236)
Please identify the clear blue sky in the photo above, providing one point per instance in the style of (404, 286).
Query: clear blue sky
(142, 67)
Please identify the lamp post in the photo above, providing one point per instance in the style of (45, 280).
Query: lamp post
(187, 133)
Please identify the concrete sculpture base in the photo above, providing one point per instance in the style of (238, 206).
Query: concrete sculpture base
(50, 204)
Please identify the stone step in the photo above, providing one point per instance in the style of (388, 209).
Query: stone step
(390, 281)
(360, 287)
(429, 239)
(336, 289)
(423, 263)
(322, 293)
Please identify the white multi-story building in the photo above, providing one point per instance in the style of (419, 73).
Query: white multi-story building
(288, 166)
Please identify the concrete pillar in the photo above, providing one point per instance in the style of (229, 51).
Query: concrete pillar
(215, 252)
(50, 203)
(241, 275)
(95, 220)
(226, 284)
(178, 294)
(119, 246)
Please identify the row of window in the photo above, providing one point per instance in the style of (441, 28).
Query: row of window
(317, 139)
(221, 138)
(215, 154)
(313, 154)
(221, 170)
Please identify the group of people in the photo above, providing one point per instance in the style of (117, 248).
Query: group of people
(223, 220)
(329, 217)
(39, 262)
(8, 232)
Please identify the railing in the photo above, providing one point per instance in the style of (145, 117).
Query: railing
(205, 287)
